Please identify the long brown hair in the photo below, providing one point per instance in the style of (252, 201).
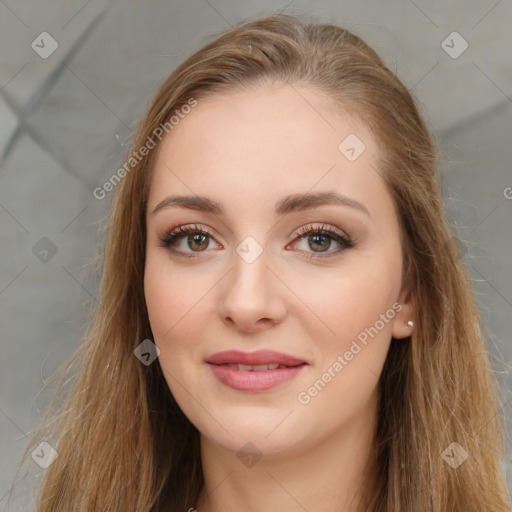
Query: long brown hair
(122, 441)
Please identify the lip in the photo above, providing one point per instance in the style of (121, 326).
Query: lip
(253, 358)
(249, 380)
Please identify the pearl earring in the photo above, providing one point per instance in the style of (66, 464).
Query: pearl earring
(410, 323)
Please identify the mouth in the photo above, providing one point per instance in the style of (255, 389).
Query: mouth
(255, 360)
(254, 371)
(259, 367)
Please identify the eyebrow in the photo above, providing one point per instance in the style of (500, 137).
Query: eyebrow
(289, 204)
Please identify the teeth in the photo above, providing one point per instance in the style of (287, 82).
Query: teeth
(256, 367)
(260, 367)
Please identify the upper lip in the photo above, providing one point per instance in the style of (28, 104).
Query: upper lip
(254, 358)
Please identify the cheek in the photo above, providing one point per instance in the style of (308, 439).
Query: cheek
(357, 314)
(179, 305)
(179, 324)
(345, 381)
(174, 306)
(349, 303)
(173, 295)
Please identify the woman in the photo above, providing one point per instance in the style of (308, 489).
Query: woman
(283, 322)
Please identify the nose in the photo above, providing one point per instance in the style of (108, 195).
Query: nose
(252, 297)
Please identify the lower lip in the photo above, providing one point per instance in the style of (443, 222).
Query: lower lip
(254, 381)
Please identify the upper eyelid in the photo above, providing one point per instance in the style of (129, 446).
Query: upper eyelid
(298, 233)
(322, 226)
(312, 226)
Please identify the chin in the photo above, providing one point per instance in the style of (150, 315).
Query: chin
(270, 437)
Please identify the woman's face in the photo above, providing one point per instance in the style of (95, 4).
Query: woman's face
(253, 175)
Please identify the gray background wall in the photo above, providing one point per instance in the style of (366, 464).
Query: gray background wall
(66, 120)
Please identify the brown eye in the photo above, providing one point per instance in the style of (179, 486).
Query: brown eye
(320, 239)
(319, 243)
(198, 241)
(186, 240)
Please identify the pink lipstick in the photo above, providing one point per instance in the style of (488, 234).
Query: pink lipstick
(254, 371)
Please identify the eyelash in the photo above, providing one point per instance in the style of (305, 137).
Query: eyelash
(173, 235)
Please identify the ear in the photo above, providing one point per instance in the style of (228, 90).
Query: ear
(400, 327)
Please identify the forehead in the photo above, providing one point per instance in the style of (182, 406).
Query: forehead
(260, 145)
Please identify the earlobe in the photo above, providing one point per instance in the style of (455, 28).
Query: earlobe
(403, 323)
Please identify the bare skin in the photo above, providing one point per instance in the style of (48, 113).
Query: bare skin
(308, 297)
